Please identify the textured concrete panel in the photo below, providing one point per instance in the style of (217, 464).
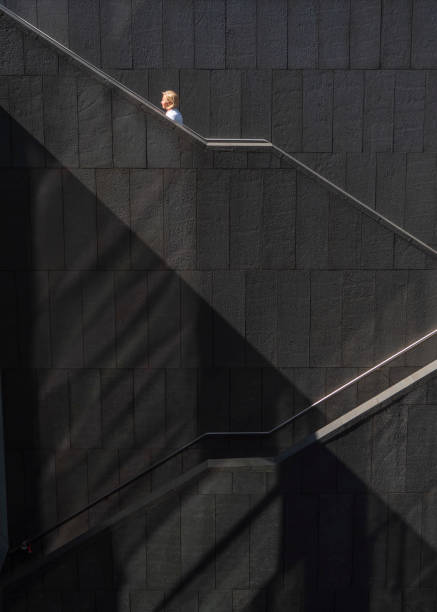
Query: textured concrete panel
(181, 405)
(9, 353)
(34, 312)
(5, 131)
(103, 476)
(163, 543)
(344, 234)
(256, 99)
(180, 218)
(279, 219)
(52, 420)
(396, 33)
(271, 34)
(245, 219)
(421, 305)
(60, 120)
(15, 220)
(261, 321)
(95, 124)
(129, 133)
(317, 111)
(147, 34)
(86, 413)
(302, 34)
(389, 447)
(197, 539)
(84, 29)
(403, 544)
(287, 110)
(164, 319)
(266, 543)
(361, 176)
(246, 399)
(146, 601)
(149, 408)
(178, 34)
(421, 191)
(421, 449)
(147, 219)
(370, 539)
(47, 219)
(27, 127)
(72, 494)
(300, 545)
(196, 319)
(213, 219)
(24, 8)
(163, 145)
(39, 58)
(232, 561)
(131, 319)
(311, 224)
(11, 49)
(365, 27)
(326, 313)
(113, 218)
(241, 34)
(390, 313)
(424, 47)
(348, 111)
(116, 34)
(129, 552)
(225, 111)
(293, 318)
(409, 111)
(229, 309)
(99, 320)
(378, 111)
(195, 99)
(213, 412)
(209, 33)
(117, 409)
(333, 24)
(390, 185)
(53, 19)
(335, 547)
(358, 318)
(430, 122)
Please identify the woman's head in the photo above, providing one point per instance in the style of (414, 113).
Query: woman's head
(170, 99)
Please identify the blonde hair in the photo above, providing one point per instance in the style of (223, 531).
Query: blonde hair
(172, 97)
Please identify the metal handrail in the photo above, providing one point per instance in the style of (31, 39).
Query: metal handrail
(219, 143)
(27, 543)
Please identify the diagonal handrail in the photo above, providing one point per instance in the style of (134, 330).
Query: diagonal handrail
(27, 543)
(219, 143)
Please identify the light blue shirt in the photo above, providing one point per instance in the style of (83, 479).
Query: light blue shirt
(174, 115)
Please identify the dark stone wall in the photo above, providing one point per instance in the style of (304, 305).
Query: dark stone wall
(153, 291)
(330, 529)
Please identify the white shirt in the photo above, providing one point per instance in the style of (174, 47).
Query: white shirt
(174, 115)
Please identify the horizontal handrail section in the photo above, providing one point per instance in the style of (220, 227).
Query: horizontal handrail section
(218, 143)
(26, 545)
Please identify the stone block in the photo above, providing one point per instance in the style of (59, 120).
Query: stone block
(11, 48)
(213, 411)
(229, 318)
(147, 34)
(84, 29)
(245, 399)
(116, 34)
(5, 133)
(9, 353)
(131, 319)
(164, 319)
(272, 34)
(370, 525)
(39, 58)
(215, 601)
(129, 133)
(95, 565)
(421, 305)
(34, 315)
(53, 19)
(317, 111)
(396, 34)
(163, 529)
(261, 318)
(117, 409)
(358, 318)
(430, 122)
(129, 551)
(213, 219)
(52, 419)
(408, 256)
(26, 112)
(421, 188)
(245, 599)
(24, 9)
(377, 245)
(113, 220)
(241, 34)
(245, 219)
(420, 449)
(66, 319)
(197, 540)
(334, 16)
(46, 212)
(409, 111)
(266, 542)
(300, 541)
(103, 477)
(49, 601)
(95, 124)
(232, 541)
(230, 159)
(147, 218)
(424, 21)
(278, 224)
(343, 401)
(344, 231)
(99, 320)
(178, 34)
(319, 471)
(287, 109)
(79, 192)
(420, 599)
(226, 110)
(403, 541)
(389, 449)
(209, 32)
(348, 110)
(149, 408)
(378, 110)
(196, 319)
(146, 601)
(71, 482)
(180, 218)
(354, 468)
(86, 414)
(181, 405)
(61, 121)
(390, 313)
(303, 34)
(326, 319)
(365, 28)
(293, 318)
(256, 99)
(335, 545)
(195, 87)
(391, 185)
(16, 244)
